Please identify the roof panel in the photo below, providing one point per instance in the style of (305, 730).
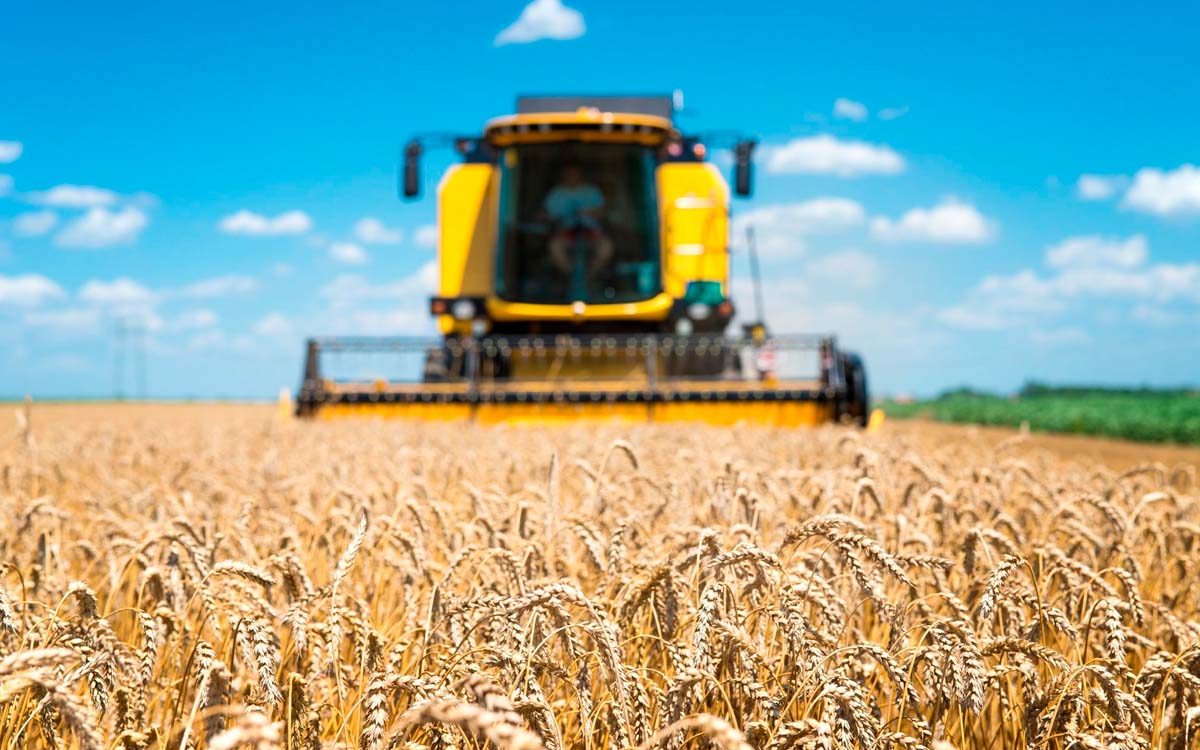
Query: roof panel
(658, 106)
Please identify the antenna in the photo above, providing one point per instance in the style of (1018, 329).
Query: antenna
(757, 278)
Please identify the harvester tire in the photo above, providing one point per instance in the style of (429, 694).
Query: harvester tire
(857, 407)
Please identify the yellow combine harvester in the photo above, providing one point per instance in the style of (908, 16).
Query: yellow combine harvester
(585, 273)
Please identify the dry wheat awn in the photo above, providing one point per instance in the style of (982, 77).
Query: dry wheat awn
(187, 583)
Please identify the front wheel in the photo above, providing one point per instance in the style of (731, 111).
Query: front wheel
(857, 405)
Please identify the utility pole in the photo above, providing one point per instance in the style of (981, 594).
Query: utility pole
(129, 359)
(120, 333)
(140, 359)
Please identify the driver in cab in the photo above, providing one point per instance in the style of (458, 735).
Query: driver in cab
(575, 208)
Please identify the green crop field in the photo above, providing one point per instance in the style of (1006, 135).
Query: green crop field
(1134, 414)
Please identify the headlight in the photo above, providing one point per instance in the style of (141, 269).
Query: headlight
(463, 309)
(683, 327)
(698, 311)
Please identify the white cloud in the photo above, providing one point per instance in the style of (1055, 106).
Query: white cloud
(10, 151)
(128, 300)
(354, 303)
(372, 231)
(67, 362)
(28, 290)
(348, 289)
(120, 292)
(6, 184)
(999, 302)
(1173, 193)
(125, 299)
(1024, 291)
(427, 235)
(75, 196)
(1083, 268)
(847, 268)
(100, 227)
(1058, 336)
(1155, 315)
(974, 318)
(1162, 282)
(848, 109)
(34, 223)
(70, 319)
(892, 113)
(1097, 250)
(1099, 187)
(390, 321)
(948, 223)
(193, 320)
(348, 252)
(860, 322)
(79, 320)
(543, 19)
(250, 223)
(427, 276)
(282, 269)
(219, 286)
(143, 200)
(824, 154)
(779, 229)
(273, 325)
(207, 340)
(786, 302)
(146, 319)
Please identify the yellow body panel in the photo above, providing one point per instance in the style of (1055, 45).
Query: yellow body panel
(559, 413)
(467, 221)
(693, 204)
(693, 210)
(655, 308)
(426, 412)
(771, 413)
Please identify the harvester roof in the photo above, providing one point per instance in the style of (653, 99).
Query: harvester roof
(638, 119)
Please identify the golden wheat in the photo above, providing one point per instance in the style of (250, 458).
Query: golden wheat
(174, 580)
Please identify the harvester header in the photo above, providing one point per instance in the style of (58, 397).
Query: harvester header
(584, 270)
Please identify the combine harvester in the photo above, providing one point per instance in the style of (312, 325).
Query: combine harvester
(584, 273)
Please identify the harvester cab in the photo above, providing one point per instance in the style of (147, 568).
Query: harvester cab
(584, 271)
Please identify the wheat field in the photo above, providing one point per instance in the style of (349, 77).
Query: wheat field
(222, 578)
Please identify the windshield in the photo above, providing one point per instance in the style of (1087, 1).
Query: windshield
(578, 222)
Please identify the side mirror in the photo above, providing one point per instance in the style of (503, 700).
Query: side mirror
(743, 170)
(411, 180)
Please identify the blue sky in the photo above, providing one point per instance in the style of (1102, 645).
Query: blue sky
(966, 195)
